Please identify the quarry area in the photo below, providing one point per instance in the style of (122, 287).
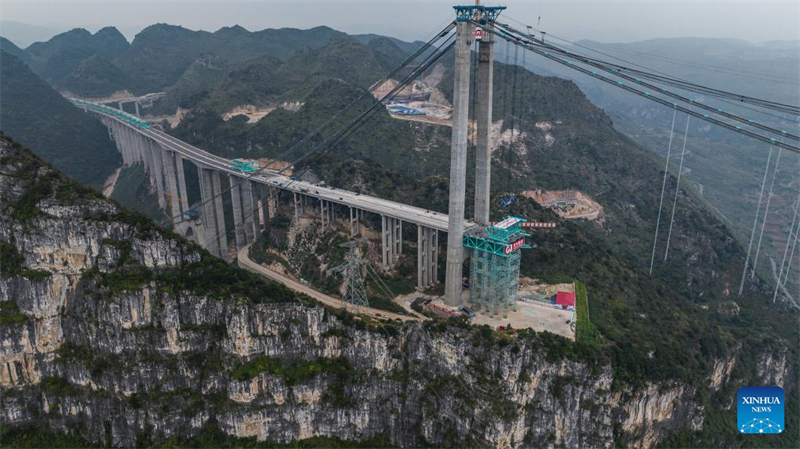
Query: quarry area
(569, 204)
(254, 113)
(420, 101)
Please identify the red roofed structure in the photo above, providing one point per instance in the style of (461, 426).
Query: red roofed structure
(565, 299)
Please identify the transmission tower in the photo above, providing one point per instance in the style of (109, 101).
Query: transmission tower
(355, 293)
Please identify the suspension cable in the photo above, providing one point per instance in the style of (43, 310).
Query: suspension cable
(766, 213)
(677, 186)
(755, 221)
(786, 250)
(663, 189)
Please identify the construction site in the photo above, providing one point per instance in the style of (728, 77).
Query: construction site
(569, 204)
(420, 101)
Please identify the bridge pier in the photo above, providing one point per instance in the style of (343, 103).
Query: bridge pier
(172, 187)
(158, 168)
(268, 210)
(324, 213)
(123, 144)
(136, 105)
(147, 157)
(427, 257)
(250, 224)
(391, 240)
(213, 214)
(483, 114)
(458, 165)
(260, 206)
(355, 226)
(238, 219)
(397, 238)
(127, 144)
(298, 205)
(182, 193)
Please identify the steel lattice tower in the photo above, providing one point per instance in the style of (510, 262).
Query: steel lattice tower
(494, 270)
(355, 293)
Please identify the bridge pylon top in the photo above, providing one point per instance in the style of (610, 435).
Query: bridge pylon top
(480, 13)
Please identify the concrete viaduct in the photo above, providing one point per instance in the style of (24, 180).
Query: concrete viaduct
(163, 158)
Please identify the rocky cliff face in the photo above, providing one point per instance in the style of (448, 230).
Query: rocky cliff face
(125, 334)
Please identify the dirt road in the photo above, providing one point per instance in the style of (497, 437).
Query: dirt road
(245, 262)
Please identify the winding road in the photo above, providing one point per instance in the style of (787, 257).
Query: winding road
(245, 262)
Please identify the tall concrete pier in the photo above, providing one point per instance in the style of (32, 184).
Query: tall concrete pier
(483, 117)
(458, 164)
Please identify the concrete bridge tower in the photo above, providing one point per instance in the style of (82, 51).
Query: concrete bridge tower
(466, 16)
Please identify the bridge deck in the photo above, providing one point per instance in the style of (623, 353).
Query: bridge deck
(416, 215)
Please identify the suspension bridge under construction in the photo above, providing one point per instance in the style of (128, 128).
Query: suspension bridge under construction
(493, 248)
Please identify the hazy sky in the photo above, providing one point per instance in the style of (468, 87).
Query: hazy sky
(410, 20)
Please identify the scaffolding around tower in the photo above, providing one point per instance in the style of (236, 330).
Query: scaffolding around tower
(494, 269)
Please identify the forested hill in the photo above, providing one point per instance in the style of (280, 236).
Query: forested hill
(38, 116)
(62, 60)
(97, 65)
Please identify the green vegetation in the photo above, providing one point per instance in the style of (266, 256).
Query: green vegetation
(210, 277)
(11, 264)
(212, 437)
(10, 314)
(293, 372)
(162, 53)
(43, 120)
(10, 259)
(132, 190)
(260, 254)
(37, 438)
(585, 331)
(61, 61)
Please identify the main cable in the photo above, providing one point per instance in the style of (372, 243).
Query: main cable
(610, 68)
(648, 95)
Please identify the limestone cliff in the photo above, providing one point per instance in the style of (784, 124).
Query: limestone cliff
(123, 333)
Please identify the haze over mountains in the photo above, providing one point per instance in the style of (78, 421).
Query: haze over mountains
(172, 330)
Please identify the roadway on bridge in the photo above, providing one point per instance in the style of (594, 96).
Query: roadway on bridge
(416, 215)
(404, 212)
(245, 262)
